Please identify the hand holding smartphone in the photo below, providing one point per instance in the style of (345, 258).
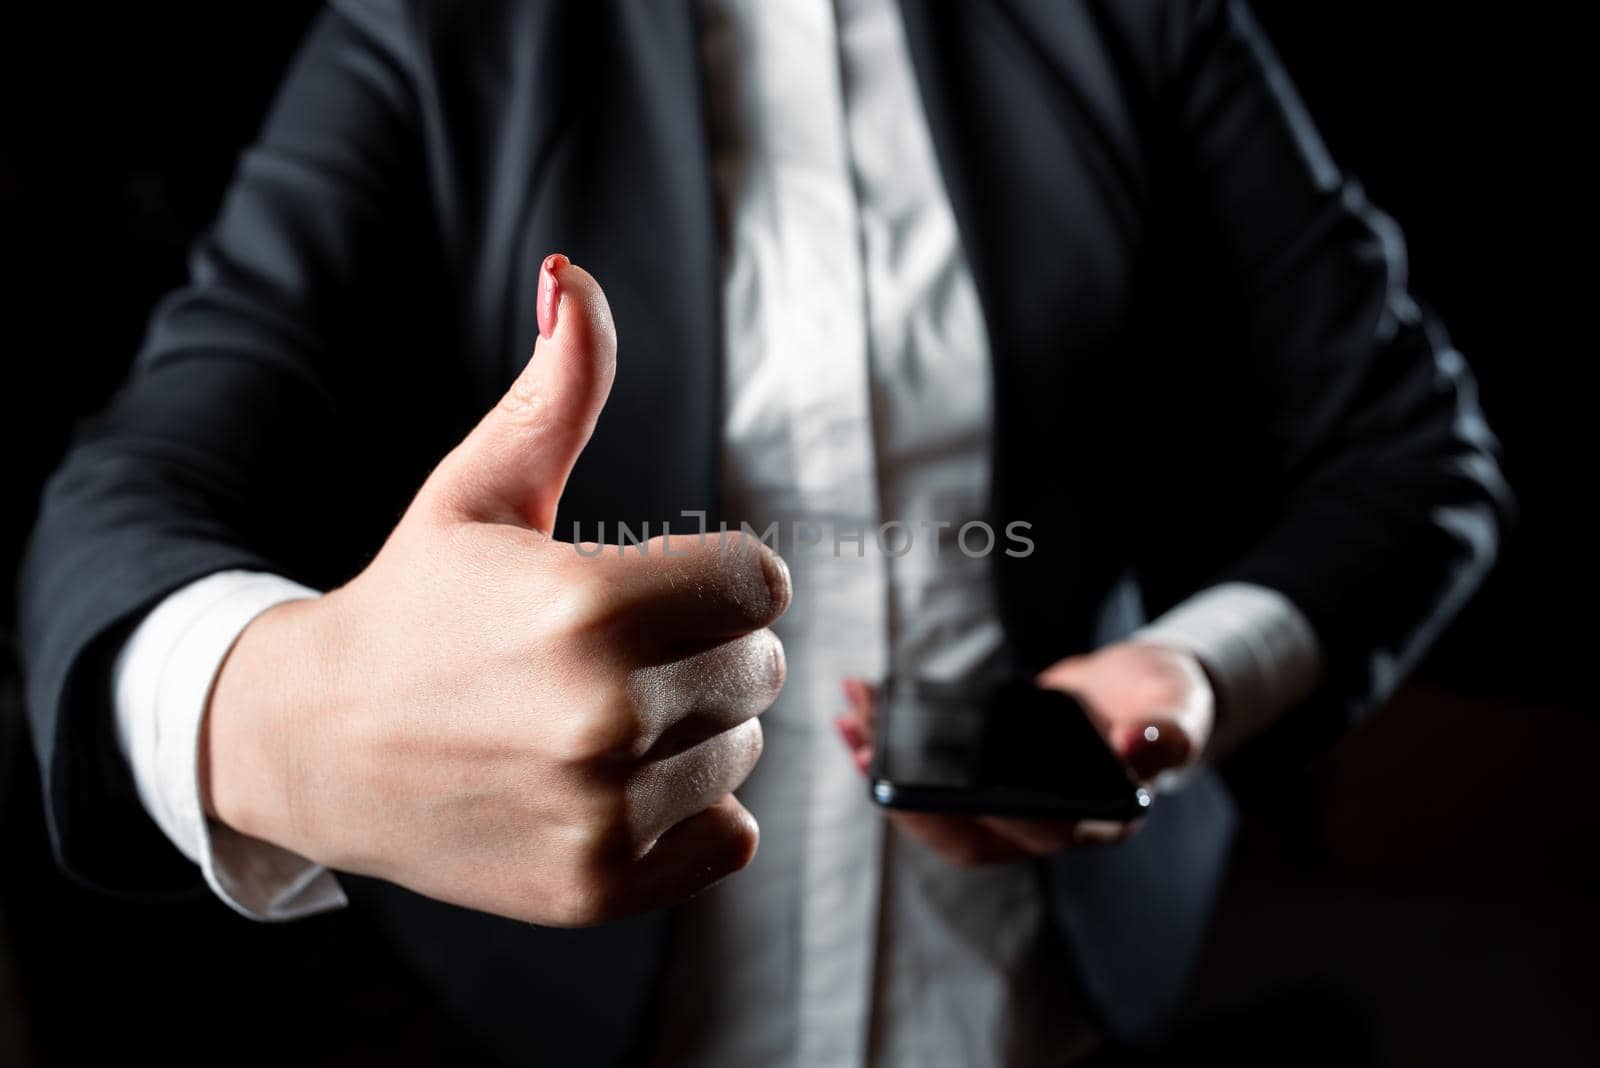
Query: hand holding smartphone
(1007, 749)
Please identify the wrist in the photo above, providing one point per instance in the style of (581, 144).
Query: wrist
(1259, 655)
(270, 694)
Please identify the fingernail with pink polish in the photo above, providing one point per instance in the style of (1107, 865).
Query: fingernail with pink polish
(549, 293)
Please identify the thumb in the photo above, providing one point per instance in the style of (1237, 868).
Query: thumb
(514, 464)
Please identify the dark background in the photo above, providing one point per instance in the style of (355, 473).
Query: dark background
(1420, 896)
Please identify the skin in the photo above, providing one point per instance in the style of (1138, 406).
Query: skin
(1153, 706)
(490, 718)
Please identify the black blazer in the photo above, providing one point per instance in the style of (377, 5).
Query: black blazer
(1206, 367)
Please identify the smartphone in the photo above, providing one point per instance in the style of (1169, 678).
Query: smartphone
(1002, 749)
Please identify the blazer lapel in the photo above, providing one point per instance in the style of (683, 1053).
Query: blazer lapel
(630, 197)
(1045, 196)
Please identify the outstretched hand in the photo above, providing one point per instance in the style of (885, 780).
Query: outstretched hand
(491, 717)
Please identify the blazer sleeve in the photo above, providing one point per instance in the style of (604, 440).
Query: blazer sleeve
(226, 446)
(1392, 500)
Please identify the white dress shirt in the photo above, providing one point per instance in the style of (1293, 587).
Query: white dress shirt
(858, 396)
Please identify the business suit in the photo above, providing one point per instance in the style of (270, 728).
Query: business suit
(1135, 191)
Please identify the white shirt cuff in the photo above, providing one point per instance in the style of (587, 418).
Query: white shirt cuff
(161, 683)
(1259, 650)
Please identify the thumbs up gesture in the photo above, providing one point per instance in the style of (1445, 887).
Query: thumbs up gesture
(490, 717)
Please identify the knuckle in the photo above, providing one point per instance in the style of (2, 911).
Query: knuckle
(756, 578)
(525, 402)
(594, 883)
(604, 829)
(743, 838)
(777, 663)
(746, 840)
(747, 673)
(582, 603)
(734, 756)
(611, 727)
(757, 742)
(721, 765)
(752, 743)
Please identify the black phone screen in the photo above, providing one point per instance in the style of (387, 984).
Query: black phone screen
(1006, 749)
